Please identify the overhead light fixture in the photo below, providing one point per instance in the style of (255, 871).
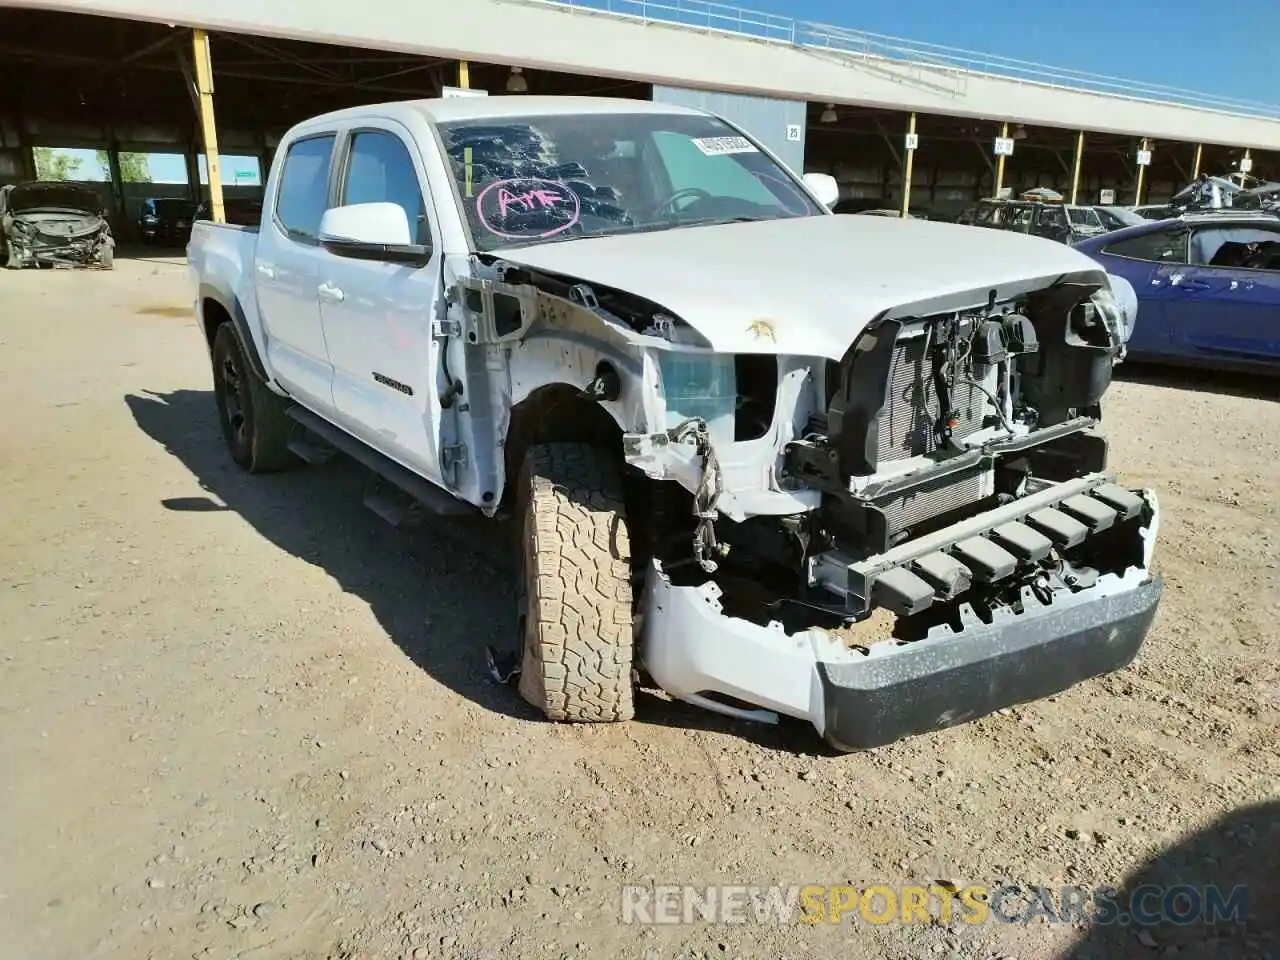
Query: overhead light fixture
(829, 114)
(516, 83)
(1019, 132)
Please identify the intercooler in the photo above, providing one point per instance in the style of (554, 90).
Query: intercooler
(908, 425)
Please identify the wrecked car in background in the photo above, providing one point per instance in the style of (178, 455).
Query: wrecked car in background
(45, 223)
(847, 469)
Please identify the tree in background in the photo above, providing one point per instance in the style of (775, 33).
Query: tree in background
(53, 164)
(133, 166)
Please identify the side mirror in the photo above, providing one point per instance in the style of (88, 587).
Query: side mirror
(371, 231)
(824, 187)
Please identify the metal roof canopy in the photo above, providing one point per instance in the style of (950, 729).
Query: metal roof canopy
(575, 40)
(64, 72)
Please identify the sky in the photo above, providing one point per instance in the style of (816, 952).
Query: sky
(170, 168)
(1228, 49)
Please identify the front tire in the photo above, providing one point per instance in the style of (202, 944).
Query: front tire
(575, 614)
(253, 418)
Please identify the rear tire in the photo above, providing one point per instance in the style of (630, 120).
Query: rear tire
(574, 595)
(253, 418)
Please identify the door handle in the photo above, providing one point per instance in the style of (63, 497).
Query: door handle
(266, 271)
(1192, 286)
(328, 291)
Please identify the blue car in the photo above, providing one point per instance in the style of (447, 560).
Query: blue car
(1208, 288)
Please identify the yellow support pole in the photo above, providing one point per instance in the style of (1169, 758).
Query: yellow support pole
(1075, 172)
(1195, 172)
(208, 127)
(1137, 197)
(464, 75)
(1004, 135)
(906, 176)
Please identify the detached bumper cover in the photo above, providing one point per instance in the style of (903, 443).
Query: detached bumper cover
(862, 700)
(945, 680)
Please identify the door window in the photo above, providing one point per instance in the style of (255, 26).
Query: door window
(304, 187)
(1160, 246)
(380, 170)
(1053, 217)
(1236, 247)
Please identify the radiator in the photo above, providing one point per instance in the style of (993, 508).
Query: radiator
(907, 425)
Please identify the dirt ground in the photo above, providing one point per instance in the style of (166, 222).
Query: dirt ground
(242, 717)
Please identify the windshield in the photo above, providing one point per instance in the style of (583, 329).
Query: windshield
(33, 196)
(539, 179)
(1084, 216)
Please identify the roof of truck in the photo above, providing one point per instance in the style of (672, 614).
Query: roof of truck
(444, 110)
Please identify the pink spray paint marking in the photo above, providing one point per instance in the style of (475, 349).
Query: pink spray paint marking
(527, 195)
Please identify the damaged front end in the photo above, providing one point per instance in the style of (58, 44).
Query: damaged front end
(966, 549)
(906, 537)
(54, 224)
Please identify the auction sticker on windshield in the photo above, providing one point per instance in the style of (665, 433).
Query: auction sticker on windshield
(723, 146)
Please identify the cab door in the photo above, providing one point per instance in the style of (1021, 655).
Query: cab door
(377, 316)
(287, 269)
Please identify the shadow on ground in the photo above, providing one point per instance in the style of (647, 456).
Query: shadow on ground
(441, 591)
(1252, 386)
(1238, 855)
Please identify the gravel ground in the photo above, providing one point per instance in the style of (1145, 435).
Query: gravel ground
(242, 717)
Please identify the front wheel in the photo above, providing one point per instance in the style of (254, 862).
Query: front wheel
(575, 616)
(253, 418)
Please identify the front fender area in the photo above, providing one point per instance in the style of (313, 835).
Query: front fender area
(571, 357)
(551, 400)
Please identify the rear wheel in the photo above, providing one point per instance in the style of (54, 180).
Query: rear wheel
(574, 598)
(253, 418)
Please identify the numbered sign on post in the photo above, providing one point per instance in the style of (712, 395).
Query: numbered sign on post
(1004, 146)
(793, 132)
(1144, 158)
(1246, 164)
(912, 141)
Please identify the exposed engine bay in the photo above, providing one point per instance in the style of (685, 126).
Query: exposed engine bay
(53, 223)
(923, 424)
(943, 480)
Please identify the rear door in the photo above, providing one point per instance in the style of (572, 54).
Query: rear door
(377, 316)
(1150, 261)
(1227, 301)
(287, 271)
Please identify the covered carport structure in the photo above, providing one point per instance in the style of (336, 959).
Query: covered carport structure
(129, 90)
(130, 76)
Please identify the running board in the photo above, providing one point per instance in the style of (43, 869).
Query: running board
(432, 497)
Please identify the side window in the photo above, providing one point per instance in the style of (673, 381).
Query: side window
(304, 187)
(1162, 246)
(1052, 217)
(1242, 247)
(380, 170)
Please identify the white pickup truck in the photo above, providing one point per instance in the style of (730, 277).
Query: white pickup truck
(773, 460)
